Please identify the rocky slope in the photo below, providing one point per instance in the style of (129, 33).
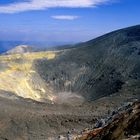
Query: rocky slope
(97, 68)
(45, 95)
(122, 125)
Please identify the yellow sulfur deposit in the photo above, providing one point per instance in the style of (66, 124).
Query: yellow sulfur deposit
(16, 78)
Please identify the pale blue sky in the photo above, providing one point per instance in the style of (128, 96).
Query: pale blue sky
(65, 20)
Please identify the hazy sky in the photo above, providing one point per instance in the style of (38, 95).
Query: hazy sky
(65, 20)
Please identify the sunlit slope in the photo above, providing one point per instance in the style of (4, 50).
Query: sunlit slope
(18, 76)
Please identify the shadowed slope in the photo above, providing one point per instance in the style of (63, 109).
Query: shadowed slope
(97, 68)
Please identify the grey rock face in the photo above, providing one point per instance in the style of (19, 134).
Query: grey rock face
(97, 68)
